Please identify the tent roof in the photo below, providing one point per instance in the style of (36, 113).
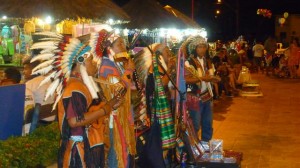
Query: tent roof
(62, 9)
(150, 14)
(187, 20)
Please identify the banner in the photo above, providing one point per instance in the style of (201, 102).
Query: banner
(12, 100)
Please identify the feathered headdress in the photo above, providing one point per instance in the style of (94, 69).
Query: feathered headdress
(101, 40)
(59, 54)
(194, 41)
(98, 43)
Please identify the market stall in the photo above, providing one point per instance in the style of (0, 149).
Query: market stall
(22, 18)
(157, 24)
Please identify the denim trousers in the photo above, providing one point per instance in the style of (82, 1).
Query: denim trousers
(112, 156)
(203, 118)
(35, 117)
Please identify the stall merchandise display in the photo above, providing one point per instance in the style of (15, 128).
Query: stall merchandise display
(219, 158)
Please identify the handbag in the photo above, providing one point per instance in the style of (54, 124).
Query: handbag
(152, 153)
(205, 96)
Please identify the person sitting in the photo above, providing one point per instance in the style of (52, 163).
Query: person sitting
(221, 65)
(12, 76)
(282, 70)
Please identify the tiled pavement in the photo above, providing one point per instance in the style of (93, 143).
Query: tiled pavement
(266, 129)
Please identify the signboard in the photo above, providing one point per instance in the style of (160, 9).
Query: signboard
(12, 100)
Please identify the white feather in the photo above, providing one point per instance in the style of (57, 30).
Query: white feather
(73, 44)
(47, 79)
(47, 50)
(71, 48)
(51, 88)
(43, 47)
(50, 34)
(42, 65)
(59, 89)
(95, 86)
(45, 43)
(43, 71)
(87, 82)
(56, 101)
(57, 74)
(64, 67)
(42, 57)
(50, 39)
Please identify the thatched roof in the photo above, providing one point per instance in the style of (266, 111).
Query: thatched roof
(150, 14)
(62, 9)
(187, 20)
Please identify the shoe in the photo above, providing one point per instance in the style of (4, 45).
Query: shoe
(205, 145)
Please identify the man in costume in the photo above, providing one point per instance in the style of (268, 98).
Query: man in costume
(116, 67)
(153, 73)
(198, 77)
(69, 64)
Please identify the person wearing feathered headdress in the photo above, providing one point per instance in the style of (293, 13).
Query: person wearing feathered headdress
(116, 67)
(198, 75)
(68, 64)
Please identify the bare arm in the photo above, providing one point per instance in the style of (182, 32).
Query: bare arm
(191, 80)
(102, 110)
(90, 117)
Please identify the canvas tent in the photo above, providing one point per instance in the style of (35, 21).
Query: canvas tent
(151, 15)
(62, 9)
(187, 20)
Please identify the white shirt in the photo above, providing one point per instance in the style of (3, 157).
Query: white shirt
(38, 93)
(203, 83)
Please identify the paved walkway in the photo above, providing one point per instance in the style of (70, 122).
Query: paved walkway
(265, 129)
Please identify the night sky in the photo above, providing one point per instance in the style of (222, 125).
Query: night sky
(224, 26)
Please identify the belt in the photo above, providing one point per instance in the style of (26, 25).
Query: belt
(76, 138)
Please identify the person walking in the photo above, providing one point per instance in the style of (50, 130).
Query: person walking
(258, 53)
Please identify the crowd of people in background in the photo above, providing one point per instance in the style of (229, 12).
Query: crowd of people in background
(269, 57)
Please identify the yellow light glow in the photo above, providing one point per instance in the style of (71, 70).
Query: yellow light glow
(218, 12)
(40, 22)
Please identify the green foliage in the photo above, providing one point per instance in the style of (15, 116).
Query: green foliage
(38, 149)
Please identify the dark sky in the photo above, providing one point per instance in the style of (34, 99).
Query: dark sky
(224, 26)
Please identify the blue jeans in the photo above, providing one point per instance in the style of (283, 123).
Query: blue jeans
(203, 119)
(35, 117)
(112, 156)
